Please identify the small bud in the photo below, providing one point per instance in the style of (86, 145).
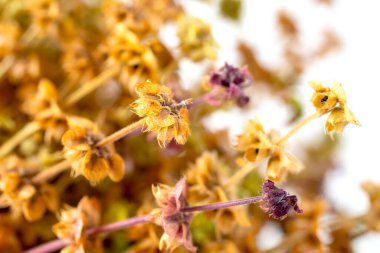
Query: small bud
(277, 202)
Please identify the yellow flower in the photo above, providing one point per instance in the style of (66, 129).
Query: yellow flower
(281, 163)
(254, 142)
(333, 100)
(338, 119)
(258, 145)
(139, 61)
(324, 99)
(74, 222)
(205, 178)
(163, 116)
(372, 218)
(94, 163)
(18, 192)
(44, 13)
(196, 40)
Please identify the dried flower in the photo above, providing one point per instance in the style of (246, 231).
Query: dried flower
(74, 222)
(325, 100)
(234, 81)
(277, 202)
(124, 47)
(176, 224)
(94, 163)
(258, 145)
(196, 41)
(372, 218)
(338, 119)
(19, 193)
(163, 116)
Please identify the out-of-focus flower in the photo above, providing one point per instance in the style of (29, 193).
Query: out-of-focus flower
(74, 222)
(277, 202)
(163, 116)
(45, 111)
(205, 179)
(196, 40)
(326, 100)
(372, 218)
(233, 81)
(94, 163)
(254, 142)
(9, 240)
(44, 13)
(258, 145)
(18, 192)
(306, 227)
(338, 119)
(9, 33)
(176, 224)
(280, 163)
(125, 48)
(204, 176)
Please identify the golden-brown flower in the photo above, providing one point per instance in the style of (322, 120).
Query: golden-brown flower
(9, 33)
(338, 119)
(163, 116)
(19, 193)
(205, 179)
(74, 222)
(44, 109)
(324, 99)
(44, 13)
(258, 145)
(372, 218)
(176, 224)
(196, 40)
(333, 100)
(254, 142)
(125, 48)
(94, 163)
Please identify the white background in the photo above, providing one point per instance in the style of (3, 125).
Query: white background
(356, 65)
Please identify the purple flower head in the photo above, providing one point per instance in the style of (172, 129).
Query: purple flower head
(234, 80)
(277, 202)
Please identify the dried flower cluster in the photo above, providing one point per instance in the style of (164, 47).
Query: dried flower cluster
(91, 104)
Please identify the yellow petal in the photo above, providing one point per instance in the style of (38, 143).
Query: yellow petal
(51, 197)
(338, 91)
(26, 192)
(117, 167)
(34, 208)
(75, 138)
(94, 168)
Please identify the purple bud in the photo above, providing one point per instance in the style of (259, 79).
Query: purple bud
(234, 80)
(277, 202)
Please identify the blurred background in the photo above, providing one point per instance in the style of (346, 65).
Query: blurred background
(352, 57)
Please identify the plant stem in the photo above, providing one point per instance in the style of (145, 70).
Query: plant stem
(221, 205)
(121, 133)
(298, 127)
(119, 225)
(50, 246)
(91, 85)
(240, 174)
(20, 136)
(50, 172)
(60, 243)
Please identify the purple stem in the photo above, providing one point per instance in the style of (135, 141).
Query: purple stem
(220, 205)
(60, 243)
(50, 246)
(118, 225)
